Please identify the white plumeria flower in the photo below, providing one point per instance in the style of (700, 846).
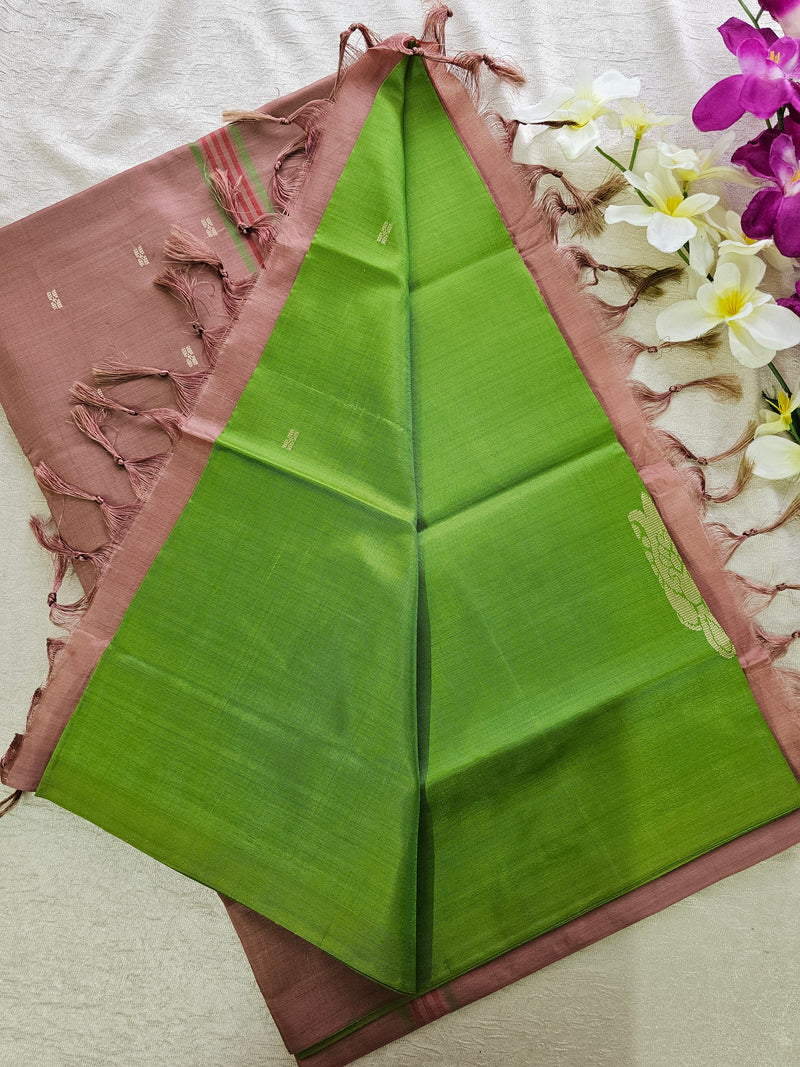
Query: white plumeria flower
(581, 106)
(774, 457)
(757, 326)
(637, 116)
(779, 421)
(736, 242)
(673, 219)
(690, 166)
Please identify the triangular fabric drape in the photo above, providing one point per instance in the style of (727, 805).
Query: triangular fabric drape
(402, 676)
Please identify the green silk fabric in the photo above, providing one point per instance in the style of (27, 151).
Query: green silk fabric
(402, 678)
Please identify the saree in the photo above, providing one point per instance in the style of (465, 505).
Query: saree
(382, 499)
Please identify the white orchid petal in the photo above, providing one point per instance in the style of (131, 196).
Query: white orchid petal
(774, 326)
(746, 348)
(612, 85)
(774, 457)
(546, 107)
(701, 253)
(576, 141)
(696, 204)
(728, 277)
(751, 270)
(635, 214)
(668, 232)
(684, 321)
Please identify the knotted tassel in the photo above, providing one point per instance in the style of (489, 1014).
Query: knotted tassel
(776, 645)
(66, 615)
(725, 540)
(434, 28)
(10, 801)
(472, 63)
(181, 285)
(286, 186)
(100, 557)
(651, 286)
(117, 517)
(580, 259)
(187, 386)
(629, 349)
(743, 476)
(585, 211)
(760, 594)
(653, 404)
(167, 419)
(184, 248)
(348, 54)
(142, 473)
(227, 191)
(307, 114)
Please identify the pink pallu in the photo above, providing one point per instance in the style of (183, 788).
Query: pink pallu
(52, 338)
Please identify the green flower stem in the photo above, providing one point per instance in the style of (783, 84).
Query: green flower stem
(633, 153)
(781, 382)
(610, 159)
(748, 12)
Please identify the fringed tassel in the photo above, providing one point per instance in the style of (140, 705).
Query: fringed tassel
(776, 645)
(651, 286)
(470, 64)
(725, 540)
(435, 23)
(348, 54)
(505, 130)
(117, 517)
(653, 404)
(228, 194)
(187, 386)
(580, 259)
(306, 115)
(9, 802)
(142, 473)
(728, 542)
(181, 285)
(743, 476)
(167, 419)
(585, 211)
(184, 248)
(629, 349)
(678, 452)
(787, 515)
(759, 594)
(99, 557)
(285, 186)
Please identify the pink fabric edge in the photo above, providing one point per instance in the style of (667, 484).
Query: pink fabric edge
(238, 359)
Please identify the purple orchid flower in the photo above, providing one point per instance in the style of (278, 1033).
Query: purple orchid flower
(775, 212)
(754, 155)
(786, 12)
(792, 302)
(766, 61)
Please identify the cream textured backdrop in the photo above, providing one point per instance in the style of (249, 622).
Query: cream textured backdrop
(107, 958)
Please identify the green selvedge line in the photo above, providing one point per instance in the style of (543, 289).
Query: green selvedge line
(236, 237)
(244, 157)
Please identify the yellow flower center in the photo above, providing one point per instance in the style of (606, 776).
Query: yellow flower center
(731, 304)
(796, 176)
(784, 403)
(775, 57)
(673, 203)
